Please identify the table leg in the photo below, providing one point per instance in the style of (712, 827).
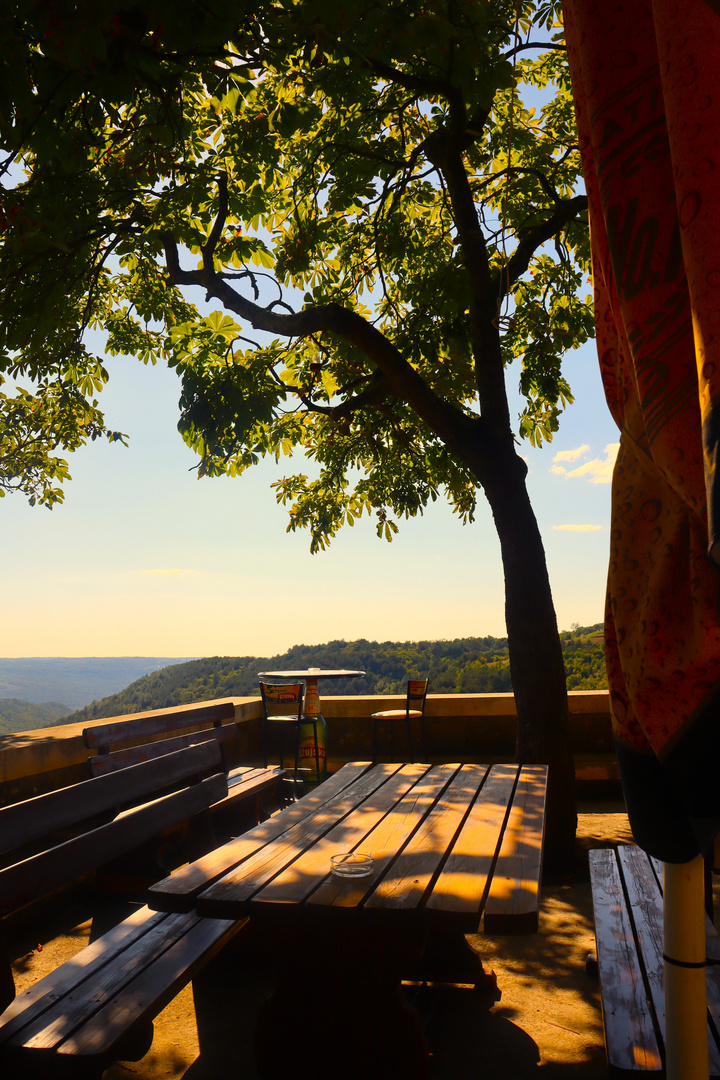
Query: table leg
(449, 958)
(337, 1011)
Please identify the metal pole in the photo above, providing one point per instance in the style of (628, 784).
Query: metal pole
(686, 1025)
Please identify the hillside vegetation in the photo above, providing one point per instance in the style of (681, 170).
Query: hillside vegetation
(16, 715)
(464, 666)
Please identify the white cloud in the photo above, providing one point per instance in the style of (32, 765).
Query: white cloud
(571, 455)
(597, 471)
(578, 528)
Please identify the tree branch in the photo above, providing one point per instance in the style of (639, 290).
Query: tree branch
(463, 434)
(208, 248)
(532, 239)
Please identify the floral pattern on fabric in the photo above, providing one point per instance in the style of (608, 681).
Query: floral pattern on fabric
(647, 96)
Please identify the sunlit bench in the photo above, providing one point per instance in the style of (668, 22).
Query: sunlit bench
(627, 901)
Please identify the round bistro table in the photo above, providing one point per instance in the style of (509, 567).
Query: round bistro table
(310, 677)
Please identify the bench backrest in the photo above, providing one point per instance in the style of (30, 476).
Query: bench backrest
(62, 863)
(101, 764)
(102, 737)
(24, 822)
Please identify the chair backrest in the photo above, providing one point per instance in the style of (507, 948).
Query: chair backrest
(282, 698)
(416, 694)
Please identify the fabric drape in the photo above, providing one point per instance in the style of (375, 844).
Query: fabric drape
(646, 85)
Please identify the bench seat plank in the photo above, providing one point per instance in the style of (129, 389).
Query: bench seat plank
(178, 892)
(127, 976)
(643, 885)
(159, 981)
(513, 903)
(42, 994)
(629, 1033)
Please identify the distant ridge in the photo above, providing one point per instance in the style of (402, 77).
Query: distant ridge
(74, 680)
(463, 665)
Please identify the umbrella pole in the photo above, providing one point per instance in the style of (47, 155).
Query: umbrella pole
(686, 1025)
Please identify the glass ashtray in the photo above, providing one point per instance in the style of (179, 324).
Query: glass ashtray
(352, 865)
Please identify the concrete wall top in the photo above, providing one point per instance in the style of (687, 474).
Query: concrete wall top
(28, 753)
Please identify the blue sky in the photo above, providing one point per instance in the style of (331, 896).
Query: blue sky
(145, 559)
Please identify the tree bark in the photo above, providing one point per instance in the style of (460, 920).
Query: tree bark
(536, 663)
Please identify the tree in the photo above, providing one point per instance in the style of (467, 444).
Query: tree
(365, 185)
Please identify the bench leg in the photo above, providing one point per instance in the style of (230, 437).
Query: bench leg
(7, 983)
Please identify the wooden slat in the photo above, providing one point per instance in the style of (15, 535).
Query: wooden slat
(713, 979)
(133, 755)
(120, 731)
(409, 876)
(40, 996)
(514, 898)
(228, 897)
(34, 818)
(23, 881)
(385, 840)
(245, 788)
(642, 877)
(463, 882)
(296, 883)
(629, 1032)
(178, 892)
(148, 993)
(54, 1023)
(646, 910)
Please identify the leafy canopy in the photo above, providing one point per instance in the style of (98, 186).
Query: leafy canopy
(361, 182)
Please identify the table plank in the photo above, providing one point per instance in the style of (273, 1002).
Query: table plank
(409, 876)
(227, 897)
(384, 842)
(513, 901)
(178, 892)
(297, 883)
(464, 880)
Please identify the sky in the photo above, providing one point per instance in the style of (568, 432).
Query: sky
(144, 559)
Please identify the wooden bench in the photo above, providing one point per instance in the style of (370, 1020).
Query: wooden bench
(124, 742)
(98, 1003)
(627, 901)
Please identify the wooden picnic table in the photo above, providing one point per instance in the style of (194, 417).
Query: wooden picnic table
(451, 844)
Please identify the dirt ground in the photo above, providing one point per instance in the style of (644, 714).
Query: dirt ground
(547, 1023)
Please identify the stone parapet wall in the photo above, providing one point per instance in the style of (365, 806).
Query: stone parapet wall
(460, 727)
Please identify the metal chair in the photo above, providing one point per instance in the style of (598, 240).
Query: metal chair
(277, 696)
(414, 709)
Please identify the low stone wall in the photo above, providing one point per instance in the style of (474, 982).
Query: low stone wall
(460, 727)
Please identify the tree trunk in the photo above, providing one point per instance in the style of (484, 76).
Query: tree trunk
(536, 663)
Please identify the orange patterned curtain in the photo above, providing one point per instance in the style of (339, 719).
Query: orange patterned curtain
(646, 83)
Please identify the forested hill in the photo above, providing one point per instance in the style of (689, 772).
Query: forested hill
(465, 666)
